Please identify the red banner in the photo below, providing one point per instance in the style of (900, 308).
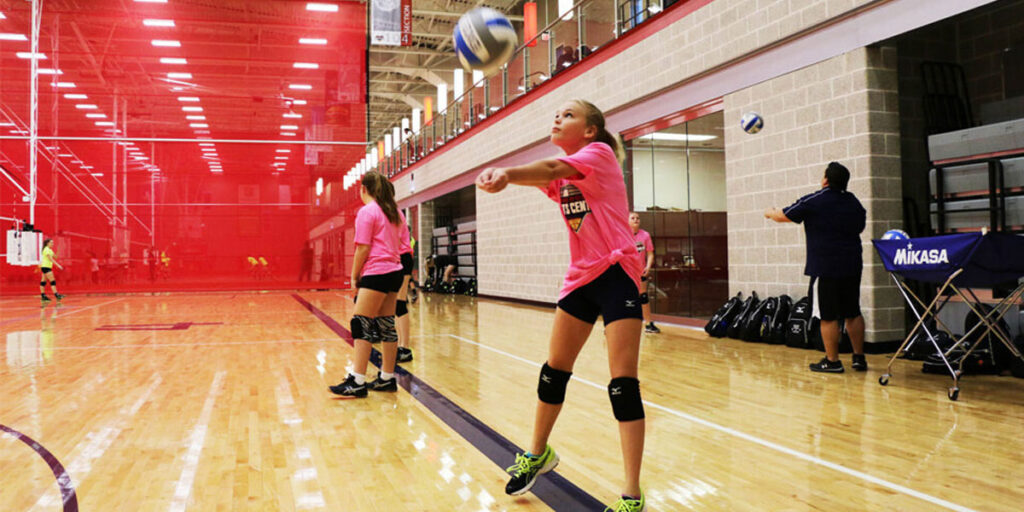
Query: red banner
(406, 22)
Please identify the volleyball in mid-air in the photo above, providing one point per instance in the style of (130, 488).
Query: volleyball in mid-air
(484, 40)
(751, 122)
(895, 234)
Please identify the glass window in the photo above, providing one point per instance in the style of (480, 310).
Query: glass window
(677, 183)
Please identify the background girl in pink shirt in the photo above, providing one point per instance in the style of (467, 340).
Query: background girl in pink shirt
(377, 274)
(402, 306)
(645, 248)
(603, 279)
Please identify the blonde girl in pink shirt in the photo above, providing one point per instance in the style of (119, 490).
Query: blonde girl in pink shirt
(603, 279)
(377, 275)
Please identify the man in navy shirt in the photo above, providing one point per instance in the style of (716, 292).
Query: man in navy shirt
(833, 220)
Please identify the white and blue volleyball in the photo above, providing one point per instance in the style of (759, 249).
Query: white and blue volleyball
(895, 234)
(484, 40)
(751, 122)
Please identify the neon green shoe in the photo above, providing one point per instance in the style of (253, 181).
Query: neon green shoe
(526, 470)
(628, 505)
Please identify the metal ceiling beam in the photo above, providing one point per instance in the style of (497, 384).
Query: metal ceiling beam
(426, 74)
(409, 100)
(447, 14)
(405, 51)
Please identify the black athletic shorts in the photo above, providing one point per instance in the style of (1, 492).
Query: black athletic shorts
(386, 283)
(838, 297)
(406, 264)
(46, 270)
(613, 296)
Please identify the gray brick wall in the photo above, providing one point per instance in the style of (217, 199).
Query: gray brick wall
(842, 109)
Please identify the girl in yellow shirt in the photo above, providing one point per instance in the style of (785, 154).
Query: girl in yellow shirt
(46, 264)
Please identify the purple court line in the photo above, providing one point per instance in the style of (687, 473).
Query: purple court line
(553, 489)
(67, 490)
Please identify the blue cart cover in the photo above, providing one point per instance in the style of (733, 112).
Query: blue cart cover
(988, 260)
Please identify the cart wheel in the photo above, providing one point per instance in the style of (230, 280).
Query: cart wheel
(954, 393)
(884, 379)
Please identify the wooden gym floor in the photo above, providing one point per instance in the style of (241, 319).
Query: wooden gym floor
(219, 401)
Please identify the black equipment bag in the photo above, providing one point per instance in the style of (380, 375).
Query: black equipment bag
(777, 334)
(746, 309)
(1016, 364)
(798, 326)
(751, 328)
(921, 347)
(991, 347)
(976, 364)
(764, 326)
(719, 323)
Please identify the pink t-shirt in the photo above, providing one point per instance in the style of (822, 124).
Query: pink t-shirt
(596, 211)
(373, 229)
(403, 236)
(643, 244)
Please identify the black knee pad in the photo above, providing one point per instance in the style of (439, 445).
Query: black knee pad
(625, 396)
(401, 308)
(386, 328)
(644, 299)
(551, 385)
(53, 283)
(362, 327)
(42, 283)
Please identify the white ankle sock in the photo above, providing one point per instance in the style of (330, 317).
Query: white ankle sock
(386, 376)
(360, 378)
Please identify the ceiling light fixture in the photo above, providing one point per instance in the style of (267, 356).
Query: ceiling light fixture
(6, 36)
(284, 151)
(158, 23)
(677, 137)
(30, 55)
(192, 109)
(292, 115)
(49, 71)
(198, 125)
(289, 127)
(321, 7)
(188, 99)
(306, 65)
(64, 85)
(196, 118)
(104, 123)
(75, 96)
(187, 76)
(300, 87)
(288, 134)
(96, 116)
(172, 60)
(84, 106)
(302, 40)
(166, 43)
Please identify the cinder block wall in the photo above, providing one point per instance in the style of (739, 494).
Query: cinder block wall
(843, 109)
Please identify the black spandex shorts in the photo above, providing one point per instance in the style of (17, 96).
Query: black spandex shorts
(406, 264)
(613, 296)
(386, 283)
(46, 270)
(838, 297)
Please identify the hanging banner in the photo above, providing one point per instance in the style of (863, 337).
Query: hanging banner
(386, 17)
(406, 22)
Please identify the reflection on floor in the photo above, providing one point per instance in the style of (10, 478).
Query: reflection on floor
(218, 401)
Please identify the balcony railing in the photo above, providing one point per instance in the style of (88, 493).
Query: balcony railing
(580, 31)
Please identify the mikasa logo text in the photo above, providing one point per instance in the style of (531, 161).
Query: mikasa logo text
(909, 256)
